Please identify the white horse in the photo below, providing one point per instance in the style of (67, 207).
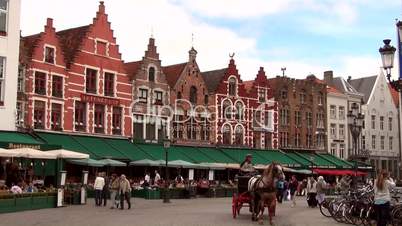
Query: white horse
(263, 192)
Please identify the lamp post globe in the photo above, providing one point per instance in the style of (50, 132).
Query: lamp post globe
(387, 56)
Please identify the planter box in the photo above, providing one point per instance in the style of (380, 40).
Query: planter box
(32, 201)
(175, 193)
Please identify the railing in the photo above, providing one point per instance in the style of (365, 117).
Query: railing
(361, 154)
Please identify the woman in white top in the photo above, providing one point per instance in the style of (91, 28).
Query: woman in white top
(382, 197)
(311, 192)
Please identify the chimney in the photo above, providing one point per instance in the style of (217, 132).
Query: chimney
(328, 76)
(349, 78)
(49, 22)
(101, 7)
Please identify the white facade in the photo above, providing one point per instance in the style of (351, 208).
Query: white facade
(9, 53)
(338, 132)
(381, 132)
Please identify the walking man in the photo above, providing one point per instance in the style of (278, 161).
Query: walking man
(114, 189)
(98, 186)
(125, 191)
(105, 190)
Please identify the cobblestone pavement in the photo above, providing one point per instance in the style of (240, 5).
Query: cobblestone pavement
(194, 212)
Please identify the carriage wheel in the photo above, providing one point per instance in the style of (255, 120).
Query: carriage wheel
(234, 205)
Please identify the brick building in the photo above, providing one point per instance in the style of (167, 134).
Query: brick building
(74, 80)
(189, 101)
(150, 95)
(243, 117)
(302, 112)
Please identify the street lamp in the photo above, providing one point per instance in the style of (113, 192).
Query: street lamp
(312, 164)
(355, 123)
(387, 56)
(166, 146)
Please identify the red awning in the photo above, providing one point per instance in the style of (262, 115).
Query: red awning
(338, 172)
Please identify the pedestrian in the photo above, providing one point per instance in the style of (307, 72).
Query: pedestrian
(280, 185)
(157, 179)
(124, 191)
(382, 197)
(114, 191)
(321, 187)
(311, 192)
(147, 180)
(293, 185)
(98, 186)
(106, 189)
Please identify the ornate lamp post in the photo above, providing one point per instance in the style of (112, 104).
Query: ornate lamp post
(355, 123)
(387, 56)
(166, 146)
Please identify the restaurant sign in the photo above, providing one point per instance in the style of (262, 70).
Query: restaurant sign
(99, 100)
(14, 146)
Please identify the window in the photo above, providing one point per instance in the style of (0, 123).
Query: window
(320, 99)
(178, 126)
(99, 118)
(302, 97)
(391, 143)
(158, 97)
(364, 142)
(39, 114)
(206, 99)
(49, 55)
(257, 119)
(138, 127)
(341, 112)
(227, 109)
(232, 86)
(341, 131)
(373, 122)
(381, 122)
(333, 131)
(150, 128)
(268, 120)
(320, 140)
(80, 116)
(284, 117)
(91, 75)
(298, 118)
(109, 84)
(284, 94)
(143, 95)
(3, 17)
(373, 142)
(239, 111)
(239, 135)
(193, 95)
(320, 120)
(332, 112)
(284, 139)
(21, 79)
(2, 78)
(55, 122)
(382, 142)
(227, 137)
(309, 119)
(333, 149)
(101, 48)
(309, 140)
(342, 151)
(20, 114)
(390, 123)
(116, 121)
(297, 140)
(179, 95)
(57, 86)
(151, 74)
(261, 95)
(40, 83)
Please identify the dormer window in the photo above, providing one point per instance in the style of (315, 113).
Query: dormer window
(49, 55)
(232, 86)
(101, 48)
(151, 74)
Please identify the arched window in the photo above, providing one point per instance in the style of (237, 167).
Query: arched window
(179, 95)
(239, 135)
(232, 86)
(193, 95)
(239, 111)
(227, 109)
(151, 74)
(227, 134)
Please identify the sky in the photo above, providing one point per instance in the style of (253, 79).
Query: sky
(305, 36)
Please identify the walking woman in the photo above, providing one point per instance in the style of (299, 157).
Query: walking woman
(312, 192)
(382, 197)
(293, 184)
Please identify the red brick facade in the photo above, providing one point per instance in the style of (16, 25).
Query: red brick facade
(93, 93)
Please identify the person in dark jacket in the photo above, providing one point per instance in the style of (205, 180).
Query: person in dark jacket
(293, 184)
(106, 189)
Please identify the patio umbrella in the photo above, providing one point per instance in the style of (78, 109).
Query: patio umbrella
(215, 166)
(111, 162)
(31, 153)
(66, 154)
(11, 153)
(146, 162)
(87, 162)
(181, 163)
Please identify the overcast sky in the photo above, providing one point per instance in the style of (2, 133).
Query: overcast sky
(305, 36)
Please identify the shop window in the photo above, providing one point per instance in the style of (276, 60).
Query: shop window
(40, 83)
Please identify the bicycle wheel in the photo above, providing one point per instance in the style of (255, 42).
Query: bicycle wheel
(396, 216)
(324, 209)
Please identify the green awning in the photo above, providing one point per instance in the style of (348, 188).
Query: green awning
(298, 158)
(339, 162)
(157, 152)
(315, 160)
(194, 154)
(128, 149)
(10, 137)
(216, 155)
(240, 154)
(67, 142)
(87, 162)
(112, 162)
(99, 147)
(277, 156)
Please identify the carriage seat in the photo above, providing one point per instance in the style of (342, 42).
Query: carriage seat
(242, 183)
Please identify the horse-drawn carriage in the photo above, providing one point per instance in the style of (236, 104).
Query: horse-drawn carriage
(257, 193)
